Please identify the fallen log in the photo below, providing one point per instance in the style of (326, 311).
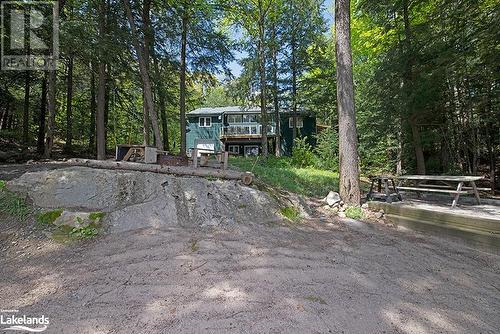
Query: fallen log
(245, 177)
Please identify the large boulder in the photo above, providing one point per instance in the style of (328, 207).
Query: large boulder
(136, 199)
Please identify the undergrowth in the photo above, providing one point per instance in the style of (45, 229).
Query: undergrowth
(12, 204)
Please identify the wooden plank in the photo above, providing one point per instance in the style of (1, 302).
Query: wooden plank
(429, 190)
(455, 200)
(129, 154)
(226, 159)
(476, 193)
(463, 178)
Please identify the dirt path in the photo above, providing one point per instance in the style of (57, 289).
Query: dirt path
(323, 278)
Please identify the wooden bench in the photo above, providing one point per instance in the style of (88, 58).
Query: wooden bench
(446, 186)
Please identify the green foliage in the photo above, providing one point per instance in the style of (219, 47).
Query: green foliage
(48, 217)
(354, 212)
(87, 232)
(280, 173)
(302, 154)
(290, 212)
(96, 216)
(12, 204)
(326, 150)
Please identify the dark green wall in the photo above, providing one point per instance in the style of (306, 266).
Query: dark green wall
(308, 130)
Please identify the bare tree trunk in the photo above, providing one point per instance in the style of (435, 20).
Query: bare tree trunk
(275, 91)
(408, 85)
(26, 113)
(294, 87)
(417, 144)
(69, 109)
(42, 115)
(162, 100)
(93, 108)
(182, 97)
(101, 89)
(146, 81)
(51, 103)
(348, 139)
(146, 22)
(262, 74)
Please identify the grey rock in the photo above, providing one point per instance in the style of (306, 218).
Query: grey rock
(135, 200)
(332, 198)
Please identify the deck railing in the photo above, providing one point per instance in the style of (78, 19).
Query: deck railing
(244, 130)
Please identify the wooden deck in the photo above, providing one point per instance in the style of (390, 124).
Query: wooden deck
(477, 225)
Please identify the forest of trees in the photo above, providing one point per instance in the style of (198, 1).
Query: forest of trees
(426, 77)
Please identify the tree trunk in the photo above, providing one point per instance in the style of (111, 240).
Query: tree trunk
(51, 104)
(245, 177)
(93, 108)
(182, 102)
(417, 144)
(26, 113)
(161, 97)
(69, 103)
(146, 81)
(42, 115)
(274, 56)
(146, 22)
(408, 88)
(348, 139)
(101, 89)
(262, 74)
(294, 87)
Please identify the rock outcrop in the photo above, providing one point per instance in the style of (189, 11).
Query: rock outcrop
(135, 200)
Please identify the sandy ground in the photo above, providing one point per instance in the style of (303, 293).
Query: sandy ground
(320, 277)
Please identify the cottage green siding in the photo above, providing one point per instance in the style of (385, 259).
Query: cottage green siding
(308, 130)
(194, 131)
(239, 136)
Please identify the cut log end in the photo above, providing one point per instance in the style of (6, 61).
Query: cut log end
(247, 178)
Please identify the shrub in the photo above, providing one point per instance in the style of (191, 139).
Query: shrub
(12, 204)
(327, 150)
(290, 212)
(48, 217)
(87, 232)
(302, 153)
(354, 212)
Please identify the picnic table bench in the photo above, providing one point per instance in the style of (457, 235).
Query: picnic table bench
(444, 184)
(388, 182)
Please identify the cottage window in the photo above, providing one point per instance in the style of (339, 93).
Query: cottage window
(300, 122)
(205, 122)
(234, 118)
(234, 149)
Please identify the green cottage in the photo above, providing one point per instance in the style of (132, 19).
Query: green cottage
(238, 130)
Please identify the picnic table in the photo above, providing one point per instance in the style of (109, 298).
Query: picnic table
(388, 182)
(445, 184)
